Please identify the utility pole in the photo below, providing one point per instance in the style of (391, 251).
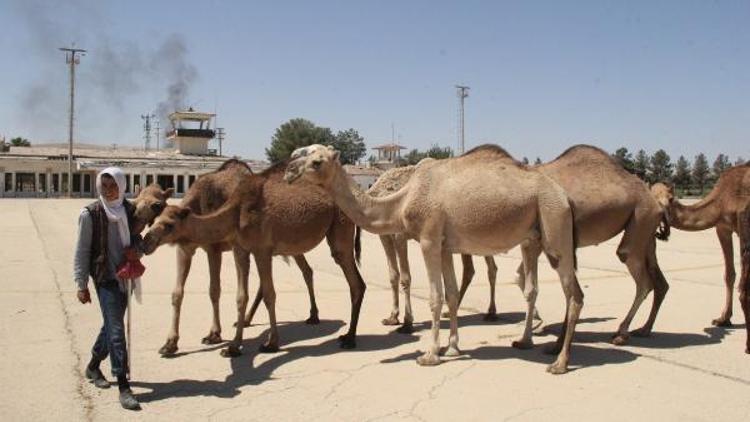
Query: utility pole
(463, 92)
(147, 129)
(158, 133)
(220, 138)
(72, 60)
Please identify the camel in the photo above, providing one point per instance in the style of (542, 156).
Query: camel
(607, 201)
(502, 205)
(149, 203)
(207, 194)
(264, 216)
(723, 209)
(397, 257)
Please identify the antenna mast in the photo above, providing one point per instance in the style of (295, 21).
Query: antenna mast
(463, 92)
(72, 59)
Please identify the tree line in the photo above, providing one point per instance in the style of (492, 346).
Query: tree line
(689, 178)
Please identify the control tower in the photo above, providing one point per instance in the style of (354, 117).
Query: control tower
(191, 131)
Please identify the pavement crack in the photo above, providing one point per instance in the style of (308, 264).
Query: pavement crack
(69, 333)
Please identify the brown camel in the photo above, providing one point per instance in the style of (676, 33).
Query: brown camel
(207, 194)
(149, 203)
(397, 256)
(723, 209)
(265, 216)
(607, 201)
(502, 204)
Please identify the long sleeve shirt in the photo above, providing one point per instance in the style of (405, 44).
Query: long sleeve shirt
(82, 261)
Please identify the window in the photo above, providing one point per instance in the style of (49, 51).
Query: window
(42, 182)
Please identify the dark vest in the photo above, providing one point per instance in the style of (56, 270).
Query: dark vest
(99, 258)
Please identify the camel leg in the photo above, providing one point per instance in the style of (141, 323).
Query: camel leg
(242, 266)
(214, 292)
(184, 259)
(340, 239)
(573, 304)
(521, 283)
(725, 239)
(466, 278)
(530, 251)
(451, 293)
(743, 221)
(405, 280)
(263, 261)
(660, 290)
(253, 308)
(431, 250)
(307, 275)
(492, 279)
(393, 276)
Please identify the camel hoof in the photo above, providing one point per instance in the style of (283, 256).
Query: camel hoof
(452, 352)
(620, 339)
(390, 321)
(347, 341)
(522, 344)
(722, 322)
(490, 317)
(407, 328)
(553, 349)
(231, 352)
(212, 338)
(641, 332)
(428, 359)
(313, 320)
(268, 348)
(557, 369)
(169, 348)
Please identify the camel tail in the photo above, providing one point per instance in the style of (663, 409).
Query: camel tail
(358, 244)
(575, 234)
(663, 231)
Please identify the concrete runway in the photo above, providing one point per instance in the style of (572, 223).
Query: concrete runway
(688, 370)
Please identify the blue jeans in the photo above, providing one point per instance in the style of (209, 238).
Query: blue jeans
(111, 339)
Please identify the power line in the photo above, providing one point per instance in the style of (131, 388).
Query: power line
(463, 92)
(72, 60)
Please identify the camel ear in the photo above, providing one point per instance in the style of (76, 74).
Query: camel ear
(183, 213)
(168, 193)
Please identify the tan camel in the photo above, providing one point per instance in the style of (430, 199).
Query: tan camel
(502, 205)
(265, 216)
(722, 209)
(607, 201)
(207, 194)
(149, 203)
(397, 256)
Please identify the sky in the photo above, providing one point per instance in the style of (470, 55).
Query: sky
(543, 75)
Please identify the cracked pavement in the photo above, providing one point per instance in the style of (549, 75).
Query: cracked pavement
(687, 369)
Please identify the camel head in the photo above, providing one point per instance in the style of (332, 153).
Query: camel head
(315, 162)
(664, 194)
(168, 227)
(149, 203)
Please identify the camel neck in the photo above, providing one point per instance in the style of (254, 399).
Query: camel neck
(700, 216)
(376, 215)
(216, 226)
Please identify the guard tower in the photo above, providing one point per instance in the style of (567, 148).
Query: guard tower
(191, 131)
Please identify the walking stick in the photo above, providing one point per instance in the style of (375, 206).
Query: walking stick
(128, 337)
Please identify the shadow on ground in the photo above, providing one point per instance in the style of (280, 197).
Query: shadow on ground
(244, 372)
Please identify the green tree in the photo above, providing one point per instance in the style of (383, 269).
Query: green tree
(624, 157)
(20, 142)
(537, 161)
(640, 164)
(414, 156)
(351, 146)
(525, 160)
(720, 165)
(681, 176)
(438, 153)
(700, 171)
(739, 161)
(661, 168)
(294, 134)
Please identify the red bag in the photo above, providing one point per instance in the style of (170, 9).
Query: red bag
(130, 269)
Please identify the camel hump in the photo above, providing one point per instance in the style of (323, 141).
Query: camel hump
(584, 150)
(489, 148)
(234, 163)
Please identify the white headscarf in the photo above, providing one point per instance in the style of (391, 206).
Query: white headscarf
(115, 209)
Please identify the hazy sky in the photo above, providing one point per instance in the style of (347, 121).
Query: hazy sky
(543, 75)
